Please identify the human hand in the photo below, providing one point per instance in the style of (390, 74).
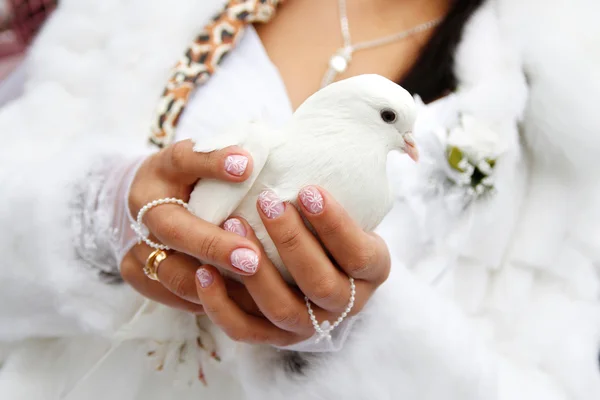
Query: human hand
(172, 173)
(272, 312)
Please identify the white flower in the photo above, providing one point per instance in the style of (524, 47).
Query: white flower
(475, 139)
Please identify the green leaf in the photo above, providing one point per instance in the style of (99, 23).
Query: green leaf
(455, 156)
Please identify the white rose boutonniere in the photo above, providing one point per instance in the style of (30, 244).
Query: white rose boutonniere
(472, 149)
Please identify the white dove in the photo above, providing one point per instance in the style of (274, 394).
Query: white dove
(338, 139)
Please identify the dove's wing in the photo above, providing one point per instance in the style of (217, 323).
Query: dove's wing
(213, 200)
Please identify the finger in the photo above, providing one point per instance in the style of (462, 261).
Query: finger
(132, 273)
(281, 304)
(226, 314)
(303, 255)
(361, 255)
(179, 229)
(181, 163)
(239, 294)
(177, 274)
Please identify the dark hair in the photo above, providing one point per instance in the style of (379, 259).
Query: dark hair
(432, 75)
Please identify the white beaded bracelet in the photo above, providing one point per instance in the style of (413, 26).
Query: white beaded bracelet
(138, 227)
(325, 331)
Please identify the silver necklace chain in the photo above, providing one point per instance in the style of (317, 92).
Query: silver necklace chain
(340, 60)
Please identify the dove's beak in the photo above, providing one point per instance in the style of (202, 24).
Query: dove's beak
(410, 147)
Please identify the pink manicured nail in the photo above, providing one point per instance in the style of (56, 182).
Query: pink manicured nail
(204, 277)
(236, 164)
(270, 204)
(235, 225)
(245, 260)
(311, 199)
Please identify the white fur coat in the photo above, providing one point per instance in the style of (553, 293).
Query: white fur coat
(515, 309)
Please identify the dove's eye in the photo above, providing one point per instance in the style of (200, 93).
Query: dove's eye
(388, 116)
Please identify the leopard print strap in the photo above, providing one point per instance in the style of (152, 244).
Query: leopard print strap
(202, 58)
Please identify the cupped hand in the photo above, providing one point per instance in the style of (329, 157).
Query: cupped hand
(172, 173)
(273, 312)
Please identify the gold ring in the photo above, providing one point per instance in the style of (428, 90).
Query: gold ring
(153, 262)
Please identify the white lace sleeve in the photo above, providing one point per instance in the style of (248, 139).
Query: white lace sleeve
(102, 220)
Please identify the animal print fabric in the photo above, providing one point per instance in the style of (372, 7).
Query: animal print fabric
(202, 58)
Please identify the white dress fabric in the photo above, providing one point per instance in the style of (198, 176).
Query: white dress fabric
(493, 298)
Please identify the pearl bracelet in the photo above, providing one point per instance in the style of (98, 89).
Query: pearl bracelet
(325, 331)
(138, 226)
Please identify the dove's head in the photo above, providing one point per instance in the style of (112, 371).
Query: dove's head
(368, 108)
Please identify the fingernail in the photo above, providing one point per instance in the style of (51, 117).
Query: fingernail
(236, 164)
(270, 204)
(235, 225)
(245, 260)
(311, 199)
(204, 277)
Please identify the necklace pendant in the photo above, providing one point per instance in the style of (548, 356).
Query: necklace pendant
(338, 63)
(340, 60)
